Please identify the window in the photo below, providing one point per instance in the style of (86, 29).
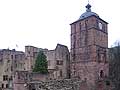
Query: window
(7, 85)
(59, 62)
(28, 52)
(100, 25)
(75, 28)
(15, 65)
(60, 73)
(67, 57)
(34, 54)
(16, 56)
(108, 83)
(8, 61)
(5, 77)
(2, 85)
(11, 68)
(101, 74)
(10, 78)
(18, 76)
(80, 26)
(31, 66)
(11, 56)
(83, 25)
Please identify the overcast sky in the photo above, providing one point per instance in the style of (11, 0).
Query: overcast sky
(44, 23)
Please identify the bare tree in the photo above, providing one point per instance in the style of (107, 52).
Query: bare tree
(114, 70)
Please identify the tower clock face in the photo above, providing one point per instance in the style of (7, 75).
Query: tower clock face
(100, 25)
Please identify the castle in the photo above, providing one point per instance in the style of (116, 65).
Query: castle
(87, 59)
(12, 61)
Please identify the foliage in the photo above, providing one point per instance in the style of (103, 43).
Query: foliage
(41, 64)
(114, 70)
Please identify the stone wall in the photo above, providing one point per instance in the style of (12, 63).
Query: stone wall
(25, 80)
(63, 84)
(68, 84)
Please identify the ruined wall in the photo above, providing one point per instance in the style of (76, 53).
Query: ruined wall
(68, 84)
(35, 81)
(9, 63)
(58, 60)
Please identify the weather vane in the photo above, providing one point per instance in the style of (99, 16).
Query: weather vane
(88, 1)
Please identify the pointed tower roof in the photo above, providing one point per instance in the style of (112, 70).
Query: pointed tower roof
(88, 12)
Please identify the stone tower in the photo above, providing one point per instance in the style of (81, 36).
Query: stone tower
(89, 47)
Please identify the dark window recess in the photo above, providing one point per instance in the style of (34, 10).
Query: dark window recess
(28, 52)
(11, 68)
(74, 72)
(74, 56)
(18, 76)
(35, 54)
(80, 26)
(67, 57)
(1, 59)
(96, 25)
(32, 67)
(15, 65)
(59, 62)
(7, 86)
(75, 27)
(2, 85)
(11, 56)
(86, 24)
(108, 83)
(101, 74)
(6, 69)
(16, 56)
(60, 73)
(10, 78)
(74, 43)
(5, 77)
(40, 86)
(8, 61)
(104, 27)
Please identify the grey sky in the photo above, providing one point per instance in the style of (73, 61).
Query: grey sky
(44, 23)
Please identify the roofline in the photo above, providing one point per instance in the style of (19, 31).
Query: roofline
(88, 17)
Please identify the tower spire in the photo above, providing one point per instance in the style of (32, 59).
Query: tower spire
(88, 8)
(88, 12)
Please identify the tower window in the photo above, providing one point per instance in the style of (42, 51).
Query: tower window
(100, 26)
(80, 26)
